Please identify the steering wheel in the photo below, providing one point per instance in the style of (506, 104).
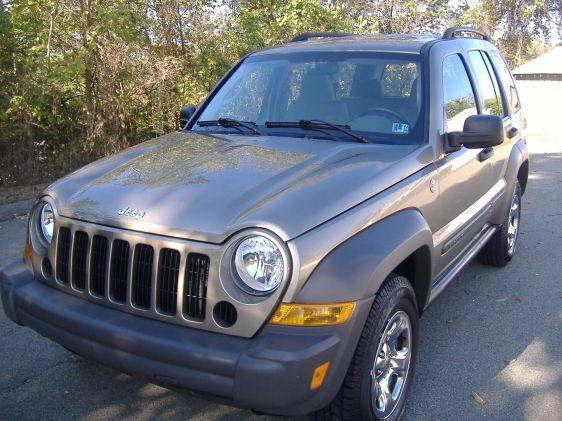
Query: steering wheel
(380, 110)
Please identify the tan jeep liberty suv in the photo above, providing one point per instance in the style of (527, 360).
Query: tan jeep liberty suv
(277, 251)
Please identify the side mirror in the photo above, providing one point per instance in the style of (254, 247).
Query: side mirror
(479, 131)
(186, 112)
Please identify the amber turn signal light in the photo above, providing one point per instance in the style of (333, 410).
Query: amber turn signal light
(319, 375)
(27, 253)
(312, 314)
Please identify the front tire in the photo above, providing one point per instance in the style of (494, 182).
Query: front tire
(380, 374)
(501, 247)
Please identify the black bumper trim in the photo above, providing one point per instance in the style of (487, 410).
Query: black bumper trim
(268, 373)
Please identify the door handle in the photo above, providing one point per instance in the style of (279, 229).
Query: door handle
(511, 133)
(485, 154)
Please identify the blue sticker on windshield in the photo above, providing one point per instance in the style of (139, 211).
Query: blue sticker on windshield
(400, 128)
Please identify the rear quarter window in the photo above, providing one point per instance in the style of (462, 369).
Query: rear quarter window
(398, 79)
(507, 81)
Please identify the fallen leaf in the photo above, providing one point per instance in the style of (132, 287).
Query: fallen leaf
(519, 299)
(501, 300)
(450, 321)
(507, 362)
(477, 398)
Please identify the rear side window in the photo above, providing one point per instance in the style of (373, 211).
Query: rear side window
(507, 81)
(489, 88)
(398, 79)
(458, 96)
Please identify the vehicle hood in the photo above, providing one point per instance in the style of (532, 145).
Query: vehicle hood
(205, 188)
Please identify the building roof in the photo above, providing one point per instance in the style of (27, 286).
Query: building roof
(545, 66)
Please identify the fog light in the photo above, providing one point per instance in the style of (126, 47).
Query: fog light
(312, 314)
(47, 268)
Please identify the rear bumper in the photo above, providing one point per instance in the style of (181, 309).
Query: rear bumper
(270, 372)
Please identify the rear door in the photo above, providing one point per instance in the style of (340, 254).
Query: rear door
(493, 101)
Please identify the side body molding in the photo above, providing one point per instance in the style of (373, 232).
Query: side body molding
(357, 267)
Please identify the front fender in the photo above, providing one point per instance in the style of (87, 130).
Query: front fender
(518, 156)
(356, 268)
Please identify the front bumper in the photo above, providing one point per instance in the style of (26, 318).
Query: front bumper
(270, 372)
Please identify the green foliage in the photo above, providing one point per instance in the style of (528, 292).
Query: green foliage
(82, 79)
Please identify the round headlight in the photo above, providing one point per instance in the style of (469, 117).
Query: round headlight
(260, 264)
(47, 221)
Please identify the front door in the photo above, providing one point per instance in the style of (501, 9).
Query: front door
(468, 177)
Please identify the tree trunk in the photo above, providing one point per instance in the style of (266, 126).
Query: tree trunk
(89, 73)
(52, 18)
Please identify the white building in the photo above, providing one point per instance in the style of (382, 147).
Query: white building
(539, 83)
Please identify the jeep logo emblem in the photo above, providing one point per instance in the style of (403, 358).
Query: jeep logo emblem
(133, 213)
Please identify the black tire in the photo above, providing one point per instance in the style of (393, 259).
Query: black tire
(353, 401)
(497, 251)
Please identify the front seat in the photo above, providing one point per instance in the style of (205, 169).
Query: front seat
(317, 101)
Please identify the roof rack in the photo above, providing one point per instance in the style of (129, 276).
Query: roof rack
(450, 33)
(308, 35)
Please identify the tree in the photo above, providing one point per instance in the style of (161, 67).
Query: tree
(80, 79)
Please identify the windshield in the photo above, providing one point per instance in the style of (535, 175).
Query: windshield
(376, 95)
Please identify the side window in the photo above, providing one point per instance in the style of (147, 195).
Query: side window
(507, 81)
(458, 96)
(488, 84)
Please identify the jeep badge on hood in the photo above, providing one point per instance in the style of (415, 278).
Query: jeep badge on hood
(127, 211)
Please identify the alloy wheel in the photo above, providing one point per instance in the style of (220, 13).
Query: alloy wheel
(391, 365)
(513, 223)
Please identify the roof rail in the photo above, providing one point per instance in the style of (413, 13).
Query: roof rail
(308, 35)
(450, 33)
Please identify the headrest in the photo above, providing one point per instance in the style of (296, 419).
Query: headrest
(371, 89)
(316, 87)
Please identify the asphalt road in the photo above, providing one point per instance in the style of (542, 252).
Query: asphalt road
(494, 332)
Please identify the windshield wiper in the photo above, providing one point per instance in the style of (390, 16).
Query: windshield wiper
(316, 125)
(230, 122)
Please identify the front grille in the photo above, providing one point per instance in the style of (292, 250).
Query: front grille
(119, 270)
(79, 259)
(195, 286)
(142, 276)
(98, 265)
(63, 255)
(140, 271)
(168, 272)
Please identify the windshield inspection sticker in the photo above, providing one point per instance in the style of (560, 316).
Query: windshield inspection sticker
(400, 128)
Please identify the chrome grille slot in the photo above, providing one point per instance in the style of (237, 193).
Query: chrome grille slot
(63, 254)
(119, 270)
(168, 273)
(142, 276)
(195, 286)
(98, 265)
(79, 259)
